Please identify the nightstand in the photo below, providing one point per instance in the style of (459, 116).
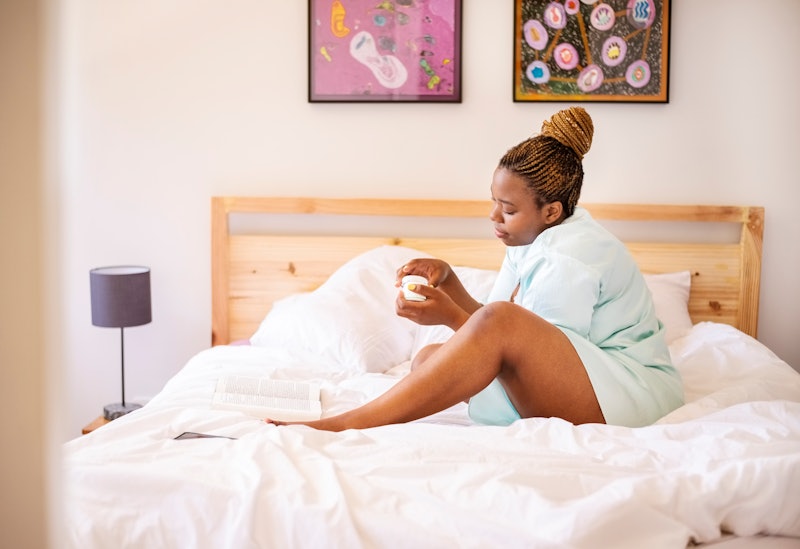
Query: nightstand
(98, 422)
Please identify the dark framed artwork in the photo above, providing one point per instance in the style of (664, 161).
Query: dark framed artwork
(399, 50)
(585, 50)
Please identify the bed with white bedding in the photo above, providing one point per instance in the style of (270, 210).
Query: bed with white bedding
(726, 466)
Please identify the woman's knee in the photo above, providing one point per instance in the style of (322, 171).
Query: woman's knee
(496, 315)
(511, 327)
(490, 311)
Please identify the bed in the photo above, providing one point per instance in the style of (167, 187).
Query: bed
(302, 289)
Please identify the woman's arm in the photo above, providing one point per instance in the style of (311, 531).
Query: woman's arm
(453, 287)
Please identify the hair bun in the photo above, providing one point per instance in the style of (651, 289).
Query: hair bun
(571, 127)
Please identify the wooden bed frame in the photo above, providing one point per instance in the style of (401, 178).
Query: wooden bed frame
(253, 268)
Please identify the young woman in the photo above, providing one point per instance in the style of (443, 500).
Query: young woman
(569, 329)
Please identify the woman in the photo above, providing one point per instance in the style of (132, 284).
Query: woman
(570, 329)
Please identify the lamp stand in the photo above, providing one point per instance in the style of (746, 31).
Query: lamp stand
(113, 411)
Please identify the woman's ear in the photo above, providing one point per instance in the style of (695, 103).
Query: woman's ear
(553, 212)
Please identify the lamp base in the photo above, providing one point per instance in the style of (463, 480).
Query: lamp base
(113, 411)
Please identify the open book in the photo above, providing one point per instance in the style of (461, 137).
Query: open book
(268, 398)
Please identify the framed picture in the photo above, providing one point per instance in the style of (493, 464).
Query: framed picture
(399, 50)
(585, 50)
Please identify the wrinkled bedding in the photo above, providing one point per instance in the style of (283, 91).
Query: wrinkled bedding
(726, 462)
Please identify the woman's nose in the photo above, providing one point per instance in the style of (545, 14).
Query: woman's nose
(494, 214)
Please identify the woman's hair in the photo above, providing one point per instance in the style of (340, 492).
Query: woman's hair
(551, 162)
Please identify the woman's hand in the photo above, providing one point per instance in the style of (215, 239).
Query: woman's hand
(447, 301)
(438, 308)
(435, 270)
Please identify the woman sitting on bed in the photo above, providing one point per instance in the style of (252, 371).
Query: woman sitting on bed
(569, 331)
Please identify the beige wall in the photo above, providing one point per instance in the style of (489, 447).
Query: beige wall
(23, 465)
(164, 104)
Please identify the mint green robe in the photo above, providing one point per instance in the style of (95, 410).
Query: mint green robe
(582, 279)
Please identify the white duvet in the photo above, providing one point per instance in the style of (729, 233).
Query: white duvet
(727, 461)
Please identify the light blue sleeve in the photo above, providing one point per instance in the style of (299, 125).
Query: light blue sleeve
(505, 283)
(561, 290)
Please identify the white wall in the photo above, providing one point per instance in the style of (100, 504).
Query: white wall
(164, 104)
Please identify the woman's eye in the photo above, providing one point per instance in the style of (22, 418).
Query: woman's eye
(508, 213)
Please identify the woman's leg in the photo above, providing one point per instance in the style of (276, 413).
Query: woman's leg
(534, 361)
(424, 353)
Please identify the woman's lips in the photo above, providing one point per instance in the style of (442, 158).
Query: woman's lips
(499, 233)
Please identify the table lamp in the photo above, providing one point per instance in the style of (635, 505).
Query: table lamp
(120, 299)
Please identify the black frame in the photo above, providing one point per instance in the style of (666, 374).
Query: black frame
(618, 47)
(425, 67)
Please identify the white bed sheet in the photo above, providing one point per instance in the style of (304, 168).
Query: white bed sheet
(727, 461)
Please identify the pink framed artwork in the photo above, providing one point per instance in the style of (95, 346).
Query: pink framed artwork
(393, 51)
(589, 50)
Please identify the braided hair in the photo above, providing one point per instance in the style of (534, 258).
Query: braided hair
(551, 162)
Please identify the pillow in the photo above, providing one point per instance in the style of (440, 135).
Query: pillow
(350, 319)
(478, 282)
(670, 293)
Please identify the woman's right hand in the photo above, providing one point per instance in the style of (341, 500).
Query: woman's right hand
(435, 270)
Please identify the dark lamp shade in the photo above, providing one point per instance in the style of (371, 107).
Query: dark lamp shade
(120, 296)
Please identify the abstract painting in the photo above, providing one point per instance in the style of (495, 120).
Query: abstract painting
(585, 50)
(400, 50)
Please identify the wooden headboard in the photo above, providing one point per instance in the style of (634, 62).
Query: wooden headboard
(254, 266)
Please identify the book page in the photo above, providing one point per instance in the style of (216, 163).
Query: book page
(282, 400)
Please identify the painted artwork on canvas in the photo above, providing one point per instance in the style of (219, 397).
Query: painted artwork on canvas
(399, 50)
(586, 50)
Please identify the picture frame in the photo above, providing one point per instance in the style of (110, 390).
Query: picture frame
(373, 51)
(585, 50)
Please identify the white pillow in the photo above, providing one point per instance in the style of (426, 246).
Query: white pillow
(350, 320)
(478, 282)
(670, 293)
(671, 299)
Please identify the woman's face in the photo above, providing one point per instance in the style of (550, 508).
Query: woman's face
(516, 217)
